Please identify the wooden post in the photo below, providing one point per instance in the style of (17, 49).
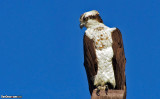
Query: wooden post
(112, 94)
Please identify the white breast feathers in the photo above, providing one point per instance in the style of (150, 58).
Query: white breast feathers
(102, 38)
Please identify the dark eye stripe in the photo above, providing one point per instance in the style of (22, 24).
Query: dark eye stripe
(84, 18)
(92, 17)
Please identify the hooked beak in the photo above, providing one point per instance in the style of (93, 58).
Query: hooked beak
(81, 25)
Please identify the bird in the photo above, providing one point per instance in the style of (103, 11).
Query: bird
(104, 57)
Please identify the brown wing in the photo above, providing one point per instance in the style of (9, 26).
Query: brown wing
(90, 61)
(119, 60)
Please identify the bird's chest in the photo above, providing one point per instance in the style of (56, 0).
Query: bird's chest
(103, 47)
(105, 68)
(102, 38)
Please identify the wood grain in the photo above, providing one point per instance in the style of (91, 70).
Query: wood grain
(112, 94)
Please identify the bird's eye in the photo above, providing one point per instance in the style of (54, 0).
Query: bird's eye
(84, 19)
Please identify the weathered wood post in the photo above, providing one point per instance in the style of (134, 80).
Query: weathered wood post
(112, 94)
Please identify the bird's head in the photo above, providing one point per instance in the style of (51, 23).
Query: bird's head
(90, 18)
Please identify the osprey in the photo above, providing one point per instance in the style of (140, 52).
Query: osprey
(104, 58)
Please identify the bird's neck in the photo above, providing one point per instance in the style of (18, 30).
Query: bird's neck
(93, 23)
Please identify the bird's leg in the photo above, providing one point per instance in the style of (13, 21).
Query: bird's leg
(98, 90)
(106, 89)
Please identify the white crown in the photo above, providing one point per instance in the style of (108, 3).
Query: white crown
(89, 13)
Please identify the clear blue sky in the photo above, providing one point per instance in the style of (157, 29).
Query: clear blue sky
(41, 46)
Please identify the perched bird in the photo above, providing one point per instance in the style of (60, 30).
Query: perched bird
(104, 57)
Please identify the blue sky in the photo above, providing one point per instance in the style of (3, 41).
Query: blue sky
(41, 46)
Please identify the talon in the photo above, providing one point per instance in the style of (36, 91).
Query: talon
(97, 92)
(106, 90)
